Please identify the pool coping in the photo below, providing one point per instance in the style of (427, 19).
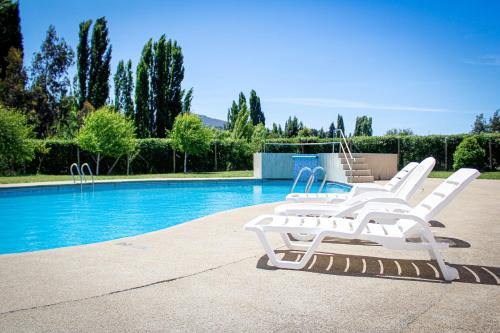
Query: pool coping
(121, 180)
(67, 183)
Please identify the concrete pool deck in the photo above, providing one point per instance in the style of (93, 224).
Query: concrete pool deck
(210, 275)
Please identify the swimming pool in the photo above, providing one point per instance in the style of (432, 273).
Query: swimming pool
(38, 218)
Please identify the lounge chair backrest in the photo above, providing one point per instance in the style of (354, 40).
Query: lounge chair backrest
(444, 193)
(400, 177)
(415, 179)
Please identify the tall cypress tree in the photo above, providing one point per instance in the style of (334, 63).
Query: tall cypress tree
(142, 93)
(175, 80)
(159, 80)
(128, 102)
(186, 103)
(232, 115)
(119, 79)
(242, 102)
(100, 58)
(10, 32)
(331, 130)
(340, 125)
(256, 113)
(82, 61)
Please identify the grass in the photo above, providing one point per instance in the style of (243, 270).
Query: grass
(51, 178)
(484, 175)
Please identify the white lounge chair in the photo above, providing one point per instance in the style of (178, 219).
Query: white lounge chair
(351, 205)
(405, 225)
(392, 186)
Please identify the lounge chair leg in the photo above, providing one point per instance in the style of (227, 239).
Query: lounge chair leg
(293, 245)
(285, 263)
(449, 273)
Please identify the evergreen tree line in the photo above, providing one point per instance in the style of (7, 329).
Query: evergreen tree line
(482, 126)
(293, 128)
(57, 107)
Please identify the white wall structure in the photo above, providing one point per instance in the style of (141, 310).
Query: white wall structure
(280, 166)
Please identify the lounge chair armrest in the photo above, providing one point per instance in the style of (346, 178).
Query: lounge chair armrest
(388, 207)
(366, 216)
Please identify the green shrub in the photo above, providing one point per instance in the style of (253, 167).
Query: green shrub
(468, 154)
(107, 133)
(190, 136)
(15, 145)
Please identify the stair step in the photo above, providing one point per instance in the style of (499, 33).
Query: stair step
(360, 179)
(357, 160)
(364, 172)
(341, 155)
(356, 166)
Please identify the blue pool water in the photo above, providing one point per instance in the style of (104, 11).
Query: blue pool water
(38, 218)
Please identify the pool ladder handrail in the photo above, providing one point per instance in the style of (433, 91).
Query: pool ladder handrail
(90, 172)
(298, 177)
(319, 168)
(77, 170)
(311, 179)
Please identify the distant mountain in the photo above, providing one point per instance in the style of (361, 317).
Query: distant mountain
(212, 122)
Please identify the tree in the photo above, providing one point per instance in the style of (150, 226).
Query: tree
(119, 80)
(123, 89)
(15, 146)
(107, 133)
(10, 33)
(305, 132)
(322, 134)
(242, 102)
(256, 113)
(292, 127)
(82, 61)
(401, 132)
(331, 130)
(128, 88)
(143, 110)
(468, 154)
(174, 95)
(363, 126)
(12, 86)
(189, 136)
(259, 136)
(159, 83)
(243, 128)
(232, 115)
(340, 125)
(480, 124)
(99, 70)
(50, 82)
(275, 132)
(494, 126)
(186, 103)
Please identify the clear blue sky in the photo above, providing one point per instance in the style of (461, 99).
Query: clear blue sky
(427, 65)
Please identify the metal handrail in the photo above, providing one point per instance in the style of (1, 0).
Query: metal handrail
(77, 170)
(309, 183)
(348, 150)
(90, 172)
(319, 168)
(298, 177)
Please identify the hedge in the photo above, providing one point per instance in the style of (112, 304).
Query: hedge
(156, 155)
(409, 148)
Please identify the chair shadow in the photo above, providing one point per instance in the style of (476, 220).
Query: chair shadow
(452, 242)
(436, 224)
(375, 267)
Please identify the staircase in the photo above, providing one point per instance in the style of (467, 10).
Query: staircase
(360, 172)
